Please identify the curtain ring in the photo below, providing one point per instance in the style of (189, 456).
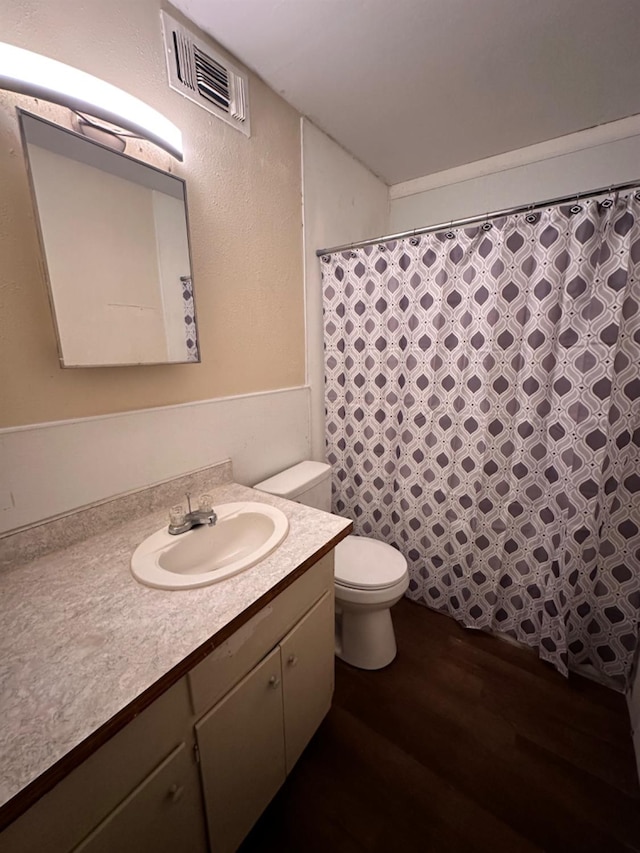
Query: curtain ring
(607, 202)
(576, 208)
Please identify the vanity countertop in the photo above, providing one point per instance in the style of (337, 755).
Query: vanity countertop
(84, 646)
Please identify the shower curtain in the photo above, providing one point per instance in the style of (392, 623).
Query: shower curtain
(483, 416)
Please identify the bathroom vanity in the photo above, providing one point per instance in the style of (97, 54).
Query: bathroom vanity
(191, 762)
(250, 737)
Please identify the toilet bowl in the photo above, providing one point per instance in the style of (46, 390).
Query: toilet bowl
(370, 576)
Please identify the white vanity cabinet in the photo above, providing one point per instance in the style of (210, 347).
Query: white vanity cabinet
(242, 755)
(258, 699)
(226, 734)
(252, 738)
(139, 792)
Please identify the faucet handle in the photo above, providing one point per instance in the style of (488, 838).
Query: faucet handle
(176, 515)
(206, 503)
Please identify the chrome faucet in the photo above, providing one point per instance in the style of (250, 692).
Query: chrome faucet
(181, 521)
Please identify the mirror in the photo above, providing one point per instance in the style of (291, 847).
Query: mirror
(115, 239)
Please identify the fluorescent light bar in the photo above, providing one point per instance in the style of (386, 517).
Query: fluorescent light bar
(31, 74)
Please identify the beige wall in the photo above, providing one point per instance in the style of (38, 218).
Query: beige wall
(244, 209)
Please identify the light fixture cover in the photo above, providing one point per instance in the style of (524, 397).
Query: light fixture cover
(32, 74)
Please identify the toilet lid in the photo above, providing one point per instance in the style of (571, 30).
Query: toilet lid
(364, 563)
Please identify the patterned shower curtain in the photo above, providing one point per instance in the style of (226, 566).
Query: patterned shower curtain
(483, 416)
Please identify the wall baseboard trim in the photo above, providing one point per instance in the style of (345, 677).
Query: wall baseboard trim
(569, 144)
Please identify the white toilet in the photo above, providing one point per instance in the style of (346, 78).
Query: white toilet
(370, 576)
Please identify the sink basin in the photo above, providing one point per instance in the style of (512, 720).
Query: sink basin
(244, 534)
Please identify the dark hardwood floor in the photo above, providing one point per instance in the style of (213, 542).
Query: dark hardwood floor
(465, 743)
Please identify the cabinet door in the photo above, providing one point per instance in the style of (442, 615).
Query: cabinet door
(307, 676)
(242, 754)
(220, 671)
(162, 815)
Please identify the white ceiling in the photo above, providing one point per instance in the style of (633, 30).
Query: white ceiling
(412, 87)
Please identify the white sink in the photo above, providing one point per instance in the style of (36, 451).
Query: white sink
(244, 534)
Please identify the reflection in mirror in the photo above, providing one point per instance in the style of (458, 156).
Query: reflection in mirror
(115, 239)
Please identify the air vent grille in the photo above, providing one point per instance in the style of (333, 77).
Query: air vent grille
(206, 78)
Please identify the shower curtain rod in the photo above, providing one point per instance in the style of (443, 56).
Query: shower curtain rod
(458, 223)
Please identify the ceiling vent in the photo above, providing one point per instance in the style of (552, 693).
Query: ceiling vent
(201, 74)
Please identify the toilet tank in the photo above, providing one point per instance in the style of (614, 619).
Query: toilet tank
(308, 483)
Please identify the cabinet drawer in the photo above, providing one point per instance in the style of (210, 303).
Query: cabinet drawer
(226, 665)
(162, 815)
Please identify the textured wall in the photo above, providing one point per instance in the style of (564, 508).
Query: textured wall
(244, 208)
(343, 202)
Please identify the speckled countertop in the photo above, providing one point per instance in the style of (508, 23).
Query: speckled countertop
(81, 639)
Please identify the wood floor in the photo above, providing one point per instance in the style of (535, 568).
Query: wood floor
(465, 743)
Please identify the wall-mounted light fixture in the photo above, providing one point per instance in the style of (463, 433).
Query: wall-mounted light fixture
(31, 74)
